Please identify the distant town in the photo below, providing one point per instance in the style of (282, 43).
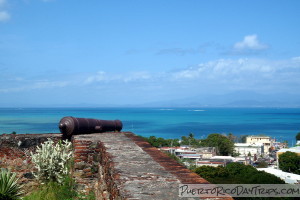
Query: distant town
(259, 151)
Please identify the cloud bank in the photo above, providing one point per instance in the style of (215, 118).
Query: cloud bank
(217, 75)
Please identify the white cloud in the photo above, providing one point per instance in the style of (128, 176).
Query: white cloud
(250, 42)
(102, 76)
(4, 16)
(242, 73)
(99, 76)
(136, 76)
(257, 74)
(217, 75)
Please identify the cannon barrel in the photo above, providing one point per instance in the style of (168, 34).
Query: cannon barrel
(69, 126)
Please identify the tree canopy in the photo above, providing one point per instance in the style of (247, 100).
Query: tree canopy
(298, 136)
(223, 144)
(289, 162)
(235, 173)
(161, 142)
(190, 140)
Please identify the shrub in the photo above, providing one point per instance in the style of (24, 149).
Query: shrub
(9, 187)
(52, 161)
(289, 162)
(209, 172)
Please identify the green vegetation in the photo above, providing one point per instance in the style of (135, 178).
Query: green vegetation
(262, 164)
(52, 161)
(161, 142)
(58, 191)
(235, 173)
(231, 137)
(185, 140)
(289, 162)
(224, 146)
(298, 136)
(191, 141)
(9, 187)
(242, 138)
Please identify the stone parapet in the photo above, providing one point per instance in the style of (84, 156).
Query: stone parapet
(128, 168)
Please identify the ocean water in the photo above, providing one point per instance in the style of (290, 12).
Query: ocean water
(280, 123)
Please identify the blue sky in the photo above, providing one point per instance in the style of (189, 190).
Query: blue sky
(135, 52)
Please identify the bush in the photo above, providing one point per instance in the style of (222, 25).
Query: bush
(52, 161)
(289, 162)
(9, 187)
(209, 172)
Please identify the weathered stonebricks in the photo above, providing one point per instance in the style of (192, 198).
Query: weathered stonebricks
(130, 168)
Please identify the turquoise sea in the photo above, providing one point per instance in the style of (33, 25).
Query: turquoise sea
(280, 123)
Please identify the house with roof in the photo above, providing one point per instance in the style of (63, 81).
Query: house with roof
(266, 141)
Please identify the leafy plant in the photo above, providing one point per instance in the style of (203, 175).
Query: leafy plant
(52, 161)
(9, 187)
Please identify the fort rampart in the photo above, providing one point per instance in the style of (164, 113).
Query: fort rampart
(115, 165)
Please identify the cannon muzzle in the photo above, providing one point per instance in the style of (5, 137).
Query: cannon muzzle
(69, 126)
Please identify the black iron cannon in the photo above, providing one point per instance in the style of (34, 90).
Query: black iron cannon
(69, 126)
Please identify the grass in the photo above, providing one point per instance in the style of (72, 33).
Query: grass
(56, 191)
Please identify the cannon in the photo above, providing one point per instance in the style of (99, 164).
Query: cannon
(69, 126)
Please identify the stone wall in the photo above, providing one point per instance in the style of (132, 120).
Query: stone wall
(113, 165)
(124, 166)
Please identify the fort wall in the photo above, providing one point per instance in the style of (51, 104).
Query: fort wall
(114, 165)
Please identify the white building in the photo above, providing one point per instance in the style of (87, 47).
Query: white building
(287, 177)
(206, 152)
(265, 140)
(226, 158)
(193, 157)
(209, 163)
(245, 148)
(178, 152)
